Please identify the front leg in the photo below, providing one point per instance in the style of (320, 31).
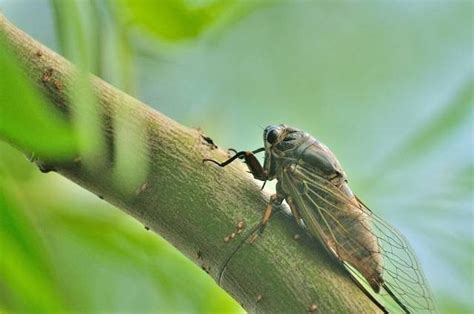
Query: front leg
(254, 166)
(250, 160)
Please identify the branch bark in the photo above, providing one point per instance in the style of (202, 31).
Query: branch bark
(196, 206)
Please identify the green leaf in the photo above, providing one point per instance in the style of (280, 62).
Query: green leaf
(27, 281)
(26, 121)
(174, 19)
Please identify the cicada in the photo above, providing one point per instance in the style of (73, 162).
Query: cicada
(312, 182)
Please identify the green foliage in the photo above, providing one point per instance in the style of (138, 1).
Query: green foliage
(25, 120)
(174, 19)
(24, 267)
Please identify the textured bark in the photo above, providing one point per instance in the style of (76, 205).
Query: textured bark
(195, 206)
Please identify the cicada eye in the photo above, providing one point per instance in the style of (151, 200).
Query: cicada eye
(272, 136)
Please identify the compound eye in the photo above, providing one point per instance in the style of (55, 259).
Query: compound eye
(272, 136)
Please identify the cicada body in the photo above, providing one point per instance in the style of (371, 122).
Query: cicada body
(300, 163)
(313, 183)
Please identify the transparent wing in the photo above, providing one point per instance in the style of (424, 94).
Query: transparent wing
(324, 206)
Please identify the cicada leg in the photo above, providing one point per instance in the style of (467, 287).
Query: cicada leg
(267, 213)
(250, 160)
(275, 199)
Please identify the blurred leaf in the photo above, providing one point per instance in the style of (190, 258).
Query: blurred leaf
(26, 121)
(19, 166)
(96, 36)
(86, 115)
(79, 32)
(27, 282)
(70, 32)
(174, 19)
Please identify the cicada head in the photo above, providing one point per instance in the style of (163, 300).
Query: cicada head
(272, 134)
(278, 139)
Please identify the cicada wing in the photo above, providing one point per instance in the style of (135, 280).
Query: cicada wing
(332, 216)
(403, 275)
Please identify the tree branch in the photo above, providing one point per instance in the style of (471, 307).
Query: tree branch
(197, 206)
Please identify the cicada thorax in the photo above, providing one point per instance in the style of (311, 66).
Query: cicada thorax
(347, 234)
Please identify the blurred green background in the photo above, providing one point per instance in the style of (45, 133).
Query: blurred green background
(388, 86)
